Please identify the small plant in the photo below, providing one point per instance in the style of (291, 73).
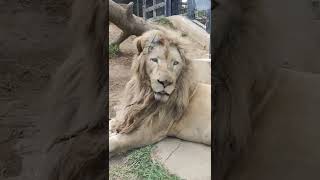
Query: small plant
(114, 50)
(184, 34)
(161, 20)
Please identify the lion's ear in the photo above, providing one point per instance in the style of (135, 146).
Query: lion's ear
(139, 44)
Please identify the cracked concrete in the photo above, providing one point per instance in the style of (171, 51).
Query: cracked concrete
(187, 160)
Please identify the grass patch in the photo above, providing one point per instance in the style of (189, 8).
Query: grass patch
(140, 165)
(121, 172)
(114, 50)
(161, 20)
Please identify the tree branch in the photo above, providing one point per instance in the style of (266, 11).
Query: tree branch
(130, 24)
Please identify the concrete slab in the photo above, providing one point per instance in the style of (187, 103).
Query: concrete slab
(187, 160)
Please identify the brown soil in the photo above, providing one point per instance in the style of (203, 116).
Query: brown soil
(119, 68)
(32, 44)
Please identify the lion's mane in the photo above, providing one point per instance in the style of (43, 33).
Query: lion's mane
(139, 105)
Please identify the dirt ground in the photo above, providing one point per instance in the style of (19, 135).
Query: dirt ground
(119, 68)
(32, 45)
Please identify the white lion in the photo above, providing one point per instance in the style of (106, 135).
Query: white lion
(162, 98)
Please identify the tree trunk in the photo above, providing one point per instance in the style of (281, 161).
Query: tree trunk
(124, 18)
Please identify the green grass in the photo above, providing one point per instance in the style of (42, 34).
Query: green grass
(121, 172)
(141, 166)
(113, 50)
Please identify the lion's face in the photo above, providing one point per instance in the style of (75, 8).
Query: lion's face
(163, 64)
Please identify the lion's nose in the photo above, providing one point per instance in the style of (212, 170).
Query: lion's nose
(165, 83)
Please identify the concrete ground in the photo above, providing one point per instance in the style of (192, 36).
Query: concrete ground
(187, 160)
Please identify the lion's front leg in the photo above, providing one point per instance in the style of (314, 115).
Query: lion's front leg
(138, 138)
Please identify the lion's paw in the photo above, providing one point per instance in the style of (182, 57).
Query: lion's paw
(112, 145)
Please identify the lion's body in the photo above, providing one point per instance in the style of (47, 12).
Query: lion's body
(161, 99)
(195, 124)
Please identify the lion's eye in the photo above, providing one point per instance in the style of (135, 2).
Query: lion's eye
(154, 60)
(175, 62)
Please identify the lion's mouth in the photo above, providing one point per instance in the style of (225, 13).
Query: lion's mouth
(161, 96)
(162, 93)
